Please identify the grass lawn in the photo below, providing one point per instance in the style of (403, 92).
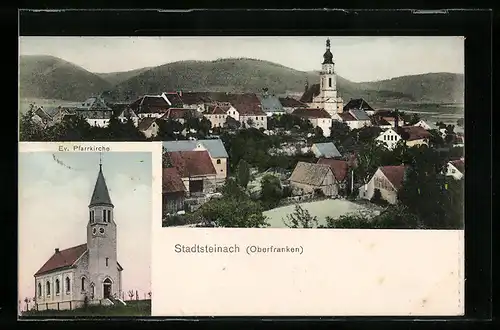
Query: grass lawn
(133, 308)
(321, 209)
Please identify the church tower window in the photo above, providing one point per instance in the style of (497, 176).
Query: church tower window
(329, 82)
(107, 260)
(83, 284)
(109, 215)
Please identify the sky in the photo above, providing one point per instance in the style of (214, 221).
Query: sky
(358, 59)
(53, 210)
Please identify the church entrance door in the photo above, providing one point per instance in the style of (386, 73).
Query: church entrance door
(107, 288)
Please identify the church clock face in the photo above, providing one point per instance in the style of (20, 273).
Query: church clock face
(101, 230)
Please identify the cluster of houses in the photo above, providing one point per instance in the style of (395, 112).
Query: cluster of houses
(320, 104)
(194, 170)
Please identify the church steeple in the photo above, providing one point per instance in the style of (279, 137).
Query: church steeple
(100, 196)
(328, 56)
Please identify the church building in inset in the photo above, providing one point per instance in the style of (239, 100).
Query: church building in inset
(324, 95)
(87, 270)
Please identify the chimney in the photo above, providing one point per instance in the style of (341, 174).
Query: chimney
(57, 250)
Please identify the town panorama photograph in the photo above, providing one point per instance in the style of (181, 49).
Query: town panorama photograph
(267, 132)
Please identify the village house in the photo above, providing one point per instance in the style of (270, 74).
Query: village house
(249, 110)
(325, 150)
(95, 111)
(148, 126)
(324, 95)
(412, 135)
(123, 112)
(195, 100)
(214, 147)
(289, 104)
(455, 169)
(387, 119)
(359, 104)
(355, 119)
(217, 114)
(155, 105)
(426, 125)
(270, 104)
(317, 117)
(196, 171)
(173, 191)
(87, 270)
(41, 117)
(387, 179)
(179, 114)
(308, 178)
(340, 169)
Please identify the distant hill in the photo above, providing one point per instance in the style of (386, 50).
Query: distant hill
(50, 77)
(439, 87)
(114, 78)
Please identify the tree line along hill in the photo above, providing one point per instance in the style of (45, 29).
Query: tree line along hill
(48, 77)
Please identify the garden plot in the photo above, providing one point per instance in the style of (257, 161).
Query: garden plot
(321, 209)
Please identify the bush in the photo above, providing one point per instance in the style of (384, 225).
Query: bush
(377, 198)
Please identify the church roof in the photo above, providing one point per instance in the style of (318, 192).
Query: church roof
(310, 93)
(62, 259)
(328, 56)
(100, 196)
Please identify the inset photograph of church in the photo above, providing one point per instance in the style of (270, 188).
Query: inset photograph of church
(91, 253)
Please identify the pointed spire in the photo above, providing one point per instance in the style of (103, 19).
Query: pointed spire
(328, 56)
(100, 196)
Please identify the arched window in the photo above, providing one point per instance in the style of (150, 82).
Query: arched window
(109, 215)
(83, 283)
(68, 285)
(39, 289)
(329, 82)
(47, 288)
(57, 286)
(104, 215)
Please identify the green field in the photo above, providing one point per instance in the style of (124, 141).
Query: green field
(133, 308)
(321, 209)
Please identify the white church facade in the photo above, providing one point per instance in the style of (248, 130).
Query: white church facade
(324, 95)
(88, 271)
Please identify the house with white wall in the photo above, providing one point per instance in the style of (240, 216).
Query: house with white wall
(455, 169)
(387, 179)
(95, 111)
(317, 117)
(148, 127)
(412, 135)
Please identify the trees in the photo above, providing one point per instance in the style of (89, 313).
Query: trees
(235, 209)
(368, 159)
(339, 131)
(232, 123)
(204, 127)
(29, 130)
(271, 191)
(243, 173)
(300, 218)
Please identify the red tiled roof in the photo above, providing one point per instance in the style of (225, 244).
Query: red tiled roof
(150, 104)
(175, 113)
(215, 109)
(192, 163)
(289, 102)
(246, 104)
(145, 123)
(62, 259)
(410, 133)
(339, 167)
(346, 116)
(172, 181)
(395, 174)
(311, 113)
(459, 164)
